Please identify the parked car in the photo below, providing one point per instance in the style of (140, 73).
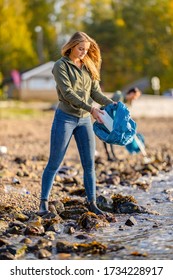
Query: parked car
(168, 92)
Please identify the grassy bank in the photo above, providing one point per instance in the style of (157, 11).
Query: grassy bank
(21, 110)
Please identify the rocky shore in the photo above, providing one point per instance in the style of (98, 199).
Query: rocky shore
(126, 190)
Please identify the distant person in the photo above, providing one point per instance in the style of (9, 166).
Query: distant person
(77, 75)
(127, 98)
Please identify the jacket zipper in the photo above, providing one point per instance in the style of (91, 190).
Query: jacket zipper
(83, 88)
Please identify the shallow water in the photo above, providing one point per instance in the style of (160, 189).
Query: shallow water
(153, 234)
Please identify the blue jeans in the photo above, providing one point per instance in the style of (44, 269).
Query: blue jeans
(63, 127)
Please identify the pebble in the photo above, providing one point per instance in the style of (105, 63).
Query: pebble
(131, 221)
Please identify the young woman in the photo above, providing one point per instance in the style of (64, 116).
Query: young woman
(77, 75)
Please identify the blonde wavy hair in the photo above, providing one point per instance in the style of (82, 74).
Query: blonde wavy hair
(92, 59)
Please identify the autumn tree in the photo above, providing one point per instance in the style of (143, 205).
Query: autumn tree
(19, 39)
(135, 37)
(40, 15)
(16, 50)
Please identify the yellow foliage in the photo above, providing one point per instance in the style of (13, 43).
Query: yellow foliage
(120, 22)
(15, 37)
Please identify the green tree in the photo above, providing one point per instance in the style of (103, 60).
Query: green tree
(41, 13)
(19, 39)
(149, 33)
(16, 50)
(135, 38)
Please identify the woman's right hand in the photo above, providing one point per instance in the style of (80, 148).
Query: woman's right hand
(95, 112)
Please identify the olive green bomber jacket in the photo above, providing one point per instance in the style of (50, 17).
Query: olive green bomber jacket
(75, 88)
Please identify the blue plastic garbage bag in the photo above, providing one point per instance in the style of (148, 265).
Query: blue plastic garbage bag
(124, 127)
(133, 147)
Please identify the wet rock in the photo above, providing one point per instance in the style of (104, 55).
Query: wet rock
(21, 217)
(129, 207)
(138, 254)
(82, 237)
(4, 242)
(90, 221)
(43, 254)
(86, 248)
(156, 225)
(121, 228)
(92, 248)
(69, 230)
(167, 191)
(51, 219)
(44, 243)
(131, 221)
(34, 226)
(125, 204)
(26, 241)
(103, 204)
(64, 247)
(18, 224)
(6, 256)
(70, 223)
(111, 218)
(170, 198)
(49, 216)
(56, 228)
(68, 201)
(17, 250)
(144, 184)
(114, 247)
(169, 194)
(50, 235)
(16, 227)
(73, 212)
(59, 206)
(52, 209)
(15, 230)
